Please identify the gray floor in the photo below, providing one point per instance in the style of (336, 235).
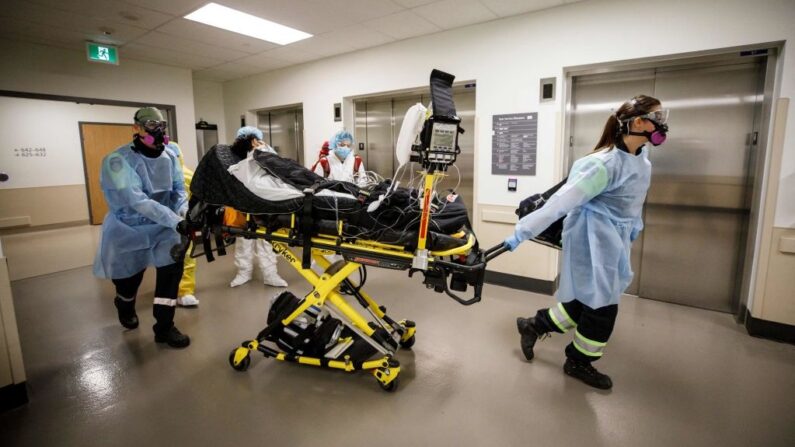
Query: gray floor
(683, 377)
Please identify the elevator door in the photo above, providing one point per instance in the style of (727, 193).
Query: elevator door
(378, 123)
(697, 210)
(283, 131)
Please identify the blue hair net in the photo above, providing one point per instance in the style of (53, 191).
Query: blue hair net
(246, 131)
(339, 137)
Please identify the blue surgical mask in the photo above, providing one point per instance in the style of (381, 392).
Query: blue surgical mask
(342, 152)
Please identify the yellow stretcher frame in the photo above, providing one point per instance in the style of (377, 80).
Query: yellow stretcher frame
(325, 292)
(326, 289)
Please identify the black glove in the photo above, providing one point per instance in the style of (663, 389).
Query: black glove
(183, 227)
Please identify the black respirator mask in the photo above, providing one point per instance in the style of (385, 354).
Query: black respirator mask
(659, 119)
(155, 133)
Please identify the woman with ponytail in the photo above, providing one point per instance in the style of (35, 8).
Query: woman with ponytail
(602, 201)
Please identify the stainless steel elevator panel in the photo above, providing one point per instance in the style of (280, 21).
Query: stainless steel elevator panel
(379, 148)
(360, 131)
(697, 209)
(465, 163)
(399, 107)
(378, 123)
(595, 98)
(283, 131)
(696, 214)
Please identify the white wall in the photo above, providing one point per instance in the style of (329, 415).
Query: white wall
(507, 57)
(208, 103)
(21, 126)
(42, 69)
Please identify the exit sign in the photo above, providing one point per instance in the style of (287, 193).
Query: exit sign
(105, 54)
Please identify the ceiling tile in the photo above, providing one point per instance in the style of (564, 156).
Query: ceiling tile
(40, 34)
(359, 38)
(173, 7)
(49, 35)
(265, 62)
(449, 14)
(110, 11)
(299, 14)
(212, 75)
(215, 36)
(322, 45)
(316, 16)
(162, 40)
(414, 3)
(165, 56)
(402, 25)
(291, 54)
(238, 68)
(356, 11)
(92, 28)
(505, 8)
(225, 73)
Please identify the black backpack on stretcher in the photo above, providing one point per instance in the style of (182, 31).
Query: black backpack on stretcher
(552, 236)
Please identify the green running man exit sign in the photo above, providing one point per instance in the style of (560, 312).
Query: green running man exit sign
(105, 54)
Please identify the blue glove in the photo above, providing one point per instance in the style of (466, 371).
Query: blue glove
(512, 243)
(634, 234)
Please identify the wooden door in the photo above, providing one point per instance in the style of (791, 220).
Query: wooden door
(98, 140)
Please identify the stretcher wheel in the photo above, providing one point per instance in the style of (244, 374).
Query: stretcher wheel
(243, 364)
(408, 343)
(392, 386)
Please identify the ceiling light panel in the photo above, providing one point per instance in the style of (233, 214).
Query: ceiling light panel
(240, 22)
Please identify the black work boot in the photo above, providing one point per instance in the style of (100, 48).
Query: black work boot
(530, 333)
(173, 337)
(126, 310)
(585, 372)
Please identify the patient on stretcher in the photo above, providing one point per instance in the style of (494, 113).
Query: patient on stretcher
(274, 189)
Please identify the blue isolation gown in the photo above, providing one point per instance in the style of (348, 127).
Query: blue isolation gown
(147, 200)
(603, 203)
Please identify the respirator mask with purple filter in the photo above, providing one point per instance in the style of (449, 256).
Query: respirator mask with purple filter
(155, 132)
(660, 121)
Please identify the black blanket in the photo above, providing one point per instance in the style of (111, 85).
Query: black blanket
(398, 213)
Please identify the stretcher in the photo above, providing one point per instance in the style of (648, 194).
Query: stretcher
(337, 324)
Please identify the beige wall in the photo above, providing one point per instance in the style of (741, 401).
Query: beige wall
(12, 370)
(495, 223)
(208, 102)
(36, 253)
(774, 287)
(49, 70)
(43, 206)
(778, 300)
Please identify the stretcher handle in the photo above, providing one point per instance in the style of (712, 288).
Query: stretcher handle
(469, 302)
(495, 251)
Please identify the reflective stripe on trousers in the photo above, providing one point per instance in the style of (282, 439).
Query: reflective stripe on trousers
(587, 346)
(171, 302)
(561, 318)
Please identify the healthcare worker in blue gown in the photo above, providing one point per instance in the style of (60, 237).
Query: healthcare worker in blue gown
(143, 185)
(602, 202)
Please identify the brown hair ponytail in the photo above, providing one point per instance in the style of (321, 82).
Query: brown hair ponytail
(639, 105)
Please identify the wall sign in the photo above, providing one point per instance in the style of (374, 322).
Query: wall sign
(30, 152)
(104, 54)
(514, 144)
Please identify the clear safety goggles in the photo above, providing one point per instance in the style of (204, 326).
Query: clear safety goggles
(659, 117)
(153, 125)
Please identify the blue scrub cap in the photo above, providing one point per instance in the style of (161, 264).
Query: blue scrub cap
(247, 131)
(339, 137)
